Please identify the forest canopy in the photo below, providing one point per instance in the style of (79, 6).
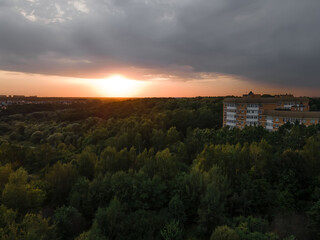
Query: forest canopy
(154, 169)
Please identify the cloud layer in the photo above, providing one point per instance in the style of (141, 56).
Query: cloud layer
(267, 41)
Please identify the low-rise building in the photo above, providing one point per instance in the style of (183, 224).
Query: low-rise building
(269, 112)
(275, 119)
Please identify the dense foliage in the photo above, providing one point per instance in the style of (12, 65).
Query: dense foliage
(154, 169)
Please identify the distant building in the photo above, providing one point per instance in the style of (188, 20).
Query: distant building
(269, 112)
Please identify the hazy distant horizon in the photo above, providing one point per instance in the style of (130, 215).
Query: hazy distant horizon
(57, 86)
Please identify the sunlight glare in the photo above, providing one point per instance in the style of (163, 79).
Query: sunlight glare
(119, 86)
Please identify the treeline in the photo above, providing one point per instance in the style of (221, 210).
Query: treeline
(314, 104)
(155, 169)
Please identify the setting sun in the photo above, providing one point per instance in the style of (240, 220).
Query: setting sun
(119, 86)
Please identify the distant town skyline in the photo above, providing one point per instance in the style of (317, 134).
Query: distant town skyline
(142, 48)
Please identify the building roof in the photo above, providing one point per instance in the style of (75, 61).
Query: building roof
(265, 100)
(292, 114)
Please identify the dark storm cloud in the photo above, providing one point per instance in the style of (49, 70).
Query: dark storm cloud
(270, 41)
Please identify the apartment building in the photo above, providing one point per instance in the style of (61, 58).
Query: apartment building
(269, 112)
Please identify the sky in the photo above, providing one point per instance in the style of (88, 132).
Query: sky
(159, 48)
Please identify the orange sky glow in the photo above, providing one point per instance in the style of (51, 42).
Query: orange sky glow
(117, 85)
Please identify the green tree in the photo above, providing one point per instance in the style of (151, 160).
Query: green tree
(80, 197)
(172, 136)
(164, 164)
(33, 227)
(171, 231)
(109, 161)
(109, 220)
(224, 233)
(86, 163)
(8, 225)
(211, 210)
(158, 139)
(5, 172)
(261, 153)
(36, 137)
(61, 178)
(314, 217)
(177, 209)
(311, 152)
(69, 222)
(19, 194)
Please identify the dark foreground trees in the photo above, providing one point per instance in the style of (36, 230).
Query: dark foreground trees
(156, 169)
